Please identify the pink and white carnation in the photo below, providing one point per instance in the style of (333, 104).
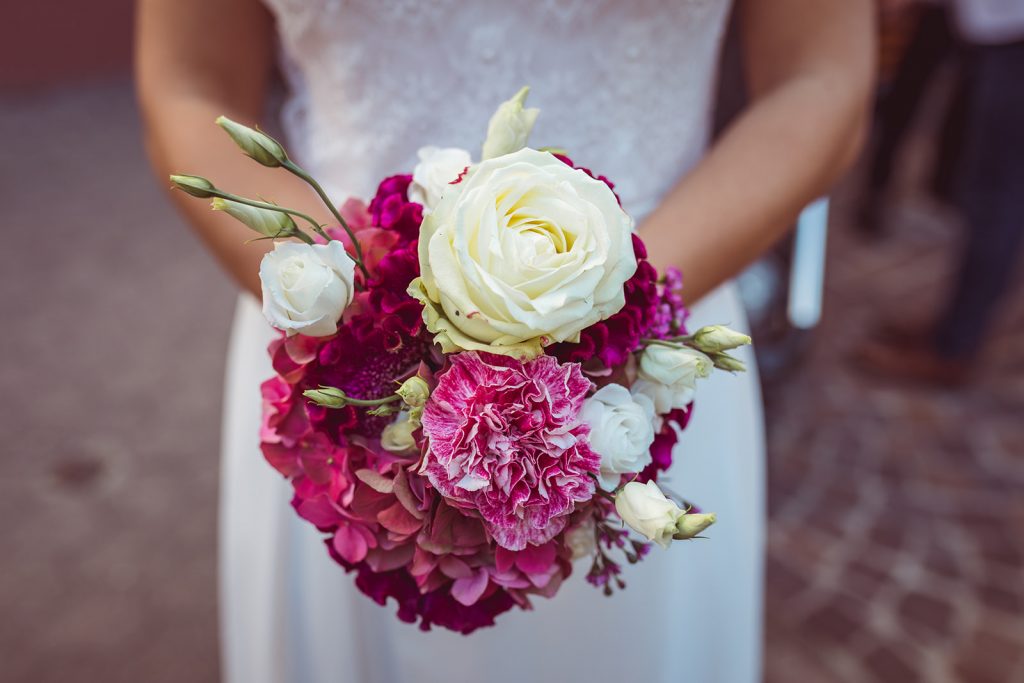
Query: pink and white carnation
(504, 438)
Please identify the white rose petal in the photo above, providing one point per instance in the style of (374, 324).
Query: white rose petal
(433, 175)
(648, 512)
(524, 252)
(306, 287)
(621, 431)
(509, 128)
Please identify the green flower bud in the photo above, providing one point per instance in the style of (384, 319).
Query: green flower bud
(264, 221)
(414, 391)
(724, 361)
(255, 143)
(688, 526)
(193, 185)
(716, 338)
(328, 397)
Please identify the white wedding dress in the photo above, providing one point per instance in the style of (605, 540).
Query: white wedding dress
(627, 88)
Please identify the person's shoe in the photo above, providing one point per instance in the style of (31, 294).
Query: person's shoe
(912, 362)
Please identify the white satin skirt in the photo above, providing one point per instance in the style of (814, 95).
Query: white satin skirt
(691, 613)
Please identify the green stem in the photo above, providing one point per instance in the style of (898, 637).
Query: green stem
(297, 171)
(664, 342)
(373, 401)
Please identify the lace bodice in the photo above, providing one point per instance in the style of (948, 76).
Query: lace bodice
(625, 87)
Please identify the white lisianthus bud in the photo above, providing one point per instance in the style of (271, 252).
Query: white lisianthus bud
(193, 185)
(648, 512)
(621, 431)
(581, 539)
(414, 391)
(715, 338)
(688, 526)
(264, 221)
(724, 361)
(328, 397)
(669, 374)
(256, 144)
(509, 129)
(306, 287)
(398, 436)
(437, 169)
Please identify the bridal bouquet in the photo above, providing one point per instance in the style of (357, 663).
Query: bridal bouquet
(480, 376)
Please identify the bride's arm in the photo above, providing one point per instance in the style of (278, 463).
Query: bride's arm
(809, 66)
(196, 60)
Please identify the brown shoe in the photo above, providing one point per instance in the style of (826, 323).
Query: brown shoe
(912, 362)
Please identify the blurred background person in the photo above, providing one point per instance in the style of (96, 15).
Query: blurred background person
(981, 169)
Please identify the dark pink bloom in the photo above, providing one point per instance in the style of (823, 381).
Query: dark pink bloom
(505, 439)
(614, 339)
(392, 210)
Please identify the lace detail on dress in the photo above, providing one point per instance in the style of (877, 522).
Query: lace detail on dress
(624, 86)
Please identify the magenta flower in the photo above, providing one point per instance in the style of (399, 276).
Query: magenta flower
(392, 210)
(505, 439)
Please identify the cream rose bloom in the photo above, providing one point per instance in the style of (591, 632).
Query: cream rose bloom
(621, 431)
(433, 175)
(306, 287)
(525, 252)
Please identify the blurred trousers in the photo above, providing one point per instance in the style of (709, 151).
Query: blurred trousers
(990, 196)
(933, 44)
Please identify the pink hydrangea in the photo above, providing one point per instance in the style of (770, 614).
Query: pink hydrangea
(505, 439)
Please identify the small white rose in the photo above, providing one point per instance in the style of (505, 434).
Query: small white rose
(509, 128)
(433, 175)
(648, 512)
(621, 431)
(306, 287)
(581, 539)
(522, 253)
(398, 437)
(668, 375)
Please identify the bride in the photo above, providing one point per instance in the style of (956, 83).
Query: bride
(627, 88)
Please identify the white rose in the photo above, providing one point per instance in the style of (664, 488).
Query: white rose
(621, 431)
(306, 287)
(509, 128)
(524, 252)
(668, 375)
(434, 174)
(648, 512)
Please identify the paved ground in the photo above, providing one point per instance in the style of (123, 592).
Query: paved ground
(897, 531)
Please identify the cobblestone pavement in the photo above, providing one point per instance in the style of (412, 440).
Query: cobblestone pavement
(896, 542)
(897, 524)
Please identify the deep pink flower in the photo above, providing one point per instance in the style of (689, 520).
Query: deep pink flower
(505, 439)
(392, 210)
(613, 339)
